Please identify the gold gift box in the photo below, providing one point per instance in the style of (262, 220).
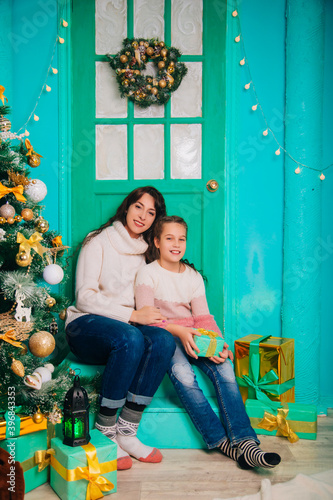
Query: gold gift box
(27, 425)
(275, 354)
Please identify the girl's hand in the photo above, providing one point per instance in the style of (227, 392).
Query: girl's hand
(185, 335)
(147, 315)
(222, 355)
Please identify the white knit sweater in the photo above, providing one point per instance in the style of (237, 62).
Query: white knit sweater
(105, 274)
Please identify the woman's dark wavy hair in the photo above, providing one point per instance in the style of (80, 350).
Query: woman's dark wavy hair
(168, 219)
(121, 213)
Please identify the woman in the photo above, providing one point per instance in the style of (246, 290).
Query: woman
(104, 328)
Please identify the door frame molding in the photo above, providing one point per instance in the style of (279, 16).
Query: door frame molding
(229, 176)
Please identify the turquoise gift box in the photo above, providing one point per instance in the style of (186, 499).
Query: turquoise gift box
(210, 343)
(284, 419)
(23, 448)
(84, 472)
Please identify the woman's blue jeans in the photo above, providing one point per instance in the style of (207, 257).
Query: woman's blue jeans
(136, 358)
(234, 423)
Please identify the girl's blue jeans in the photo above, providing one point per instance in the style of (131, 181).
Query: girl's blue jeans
(136, 358)
(234, 423)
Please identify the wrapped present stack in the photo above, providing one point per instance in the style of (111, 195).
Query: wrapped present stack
(28, 442)
(264, 367)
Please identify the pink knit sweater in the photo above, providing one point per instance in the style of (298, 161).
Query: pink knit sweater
(180, 297)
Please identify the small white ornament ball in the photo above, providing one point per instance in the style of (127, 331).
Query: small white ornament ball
(36, 190)
(53, 274)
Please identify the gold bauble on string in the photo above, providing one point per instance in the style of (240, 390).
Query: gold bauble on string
(150, 51)
(62, 314)
(34, 161)
(17, 367)
(27, 214)
(123, 59)
(161, 65)
(41, 225)
(164, 52)
(162, 84)
(5, 124)
(23, 259)
(50, 301)
(41, 344)
(38, 417)
(2, 220)
(10, 220)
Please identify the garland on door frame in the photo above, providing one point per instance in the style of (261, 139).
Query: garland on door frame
(145, 90)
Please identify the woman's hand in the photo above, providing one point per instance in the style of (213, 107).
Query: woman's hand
(222, 355)
(147, 315)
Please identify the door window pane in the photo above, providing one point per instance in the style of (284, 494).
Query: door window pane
(186, 151)
(186, 26)
(111, 25)
(187, 100)
(148, 151)
(111, 152)
(108, 102)
(149, 19)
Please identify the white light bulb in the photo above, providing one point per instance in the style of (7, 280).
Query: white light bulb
(36, 118)
(247, 86)
(237, 39)
(265, 132)
(254, 108)
(322, 177)
(297, 170)
(235, 13)
(242, 62)
(278, 152)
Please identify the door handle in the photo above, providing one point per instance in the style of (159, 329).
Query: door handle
(212, 185)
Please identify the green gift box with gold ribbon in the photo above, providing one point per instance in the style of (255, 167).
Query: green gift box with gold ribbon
(264, 368)
(210, 343)
(33, 453)
(84, 472)
(291, 420)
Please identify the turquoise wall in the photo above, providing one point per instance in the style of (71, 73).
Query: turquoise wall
(30, 39)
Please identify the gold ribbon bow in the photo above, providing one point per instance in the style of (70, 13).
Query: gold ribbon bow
(30, 149)
(32, 242)
(271, 422)
(2, 97)
(10, 337)
(43, 458)
(17, 191)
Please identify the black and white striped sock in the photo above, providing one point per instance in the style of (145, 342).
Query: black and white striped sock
(227, 449)
(252, 456)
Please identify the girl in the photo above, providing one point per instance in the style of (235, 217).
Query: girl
(177, 289)
(104, 328)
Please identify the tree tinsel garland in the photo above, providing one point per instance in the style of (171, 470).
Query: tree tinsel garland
(145, 90)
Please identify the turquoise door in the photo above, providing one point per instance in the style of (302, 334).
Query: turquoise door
(178, 148)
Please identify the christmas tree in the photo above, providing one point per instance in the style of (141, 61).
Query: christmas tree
(32, 257)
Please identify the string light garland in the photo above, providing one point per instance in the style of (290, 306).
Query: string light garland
(45, 87)
(250, 85)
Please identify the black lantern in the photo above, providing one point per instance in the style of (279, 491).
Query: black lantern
(76, 415)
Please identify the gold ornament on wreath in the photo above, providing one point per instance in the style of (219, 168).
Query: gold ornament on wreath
(17, 367)
(145, 90)
(41, 344)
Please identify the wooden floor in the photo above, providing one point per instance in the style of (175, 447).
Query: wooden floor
(203, 475)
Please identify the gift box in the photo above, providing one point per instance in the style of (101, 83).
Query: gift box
(88, 471)
(31, 450)
(210, 343)
(292, 420)
(13, 425)
(264, 368)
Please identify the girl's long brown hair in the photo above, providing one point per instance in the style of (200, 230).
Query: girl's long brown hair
(121, 213)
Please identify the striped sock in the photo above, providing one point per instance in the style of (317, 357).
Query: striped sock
(252, 456)
(227, 449)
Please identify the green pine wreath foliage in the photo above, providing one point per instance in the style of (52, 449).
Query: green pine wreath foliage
(145, 90)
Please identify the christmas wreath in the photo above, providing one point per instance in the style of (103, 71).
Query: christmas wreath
(131, 60)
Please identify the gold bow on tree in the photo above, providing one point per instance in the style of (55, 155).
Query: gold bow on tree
(32, 242)
(271, 422)
(10, 337)
(17, 191)
(30, 149)
(2, 97)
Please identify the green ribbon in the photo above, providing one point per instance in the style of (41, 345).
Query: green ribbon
(257, 385)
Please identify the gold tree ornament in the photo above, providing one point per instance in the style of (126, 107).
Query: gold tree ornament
(62, 314)
(50, 301)
(23, 259)
(5, 124)
(27, 214)
(41, 225)
(38, 417)
(34, 160)
(41, 344)
(17, 367)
